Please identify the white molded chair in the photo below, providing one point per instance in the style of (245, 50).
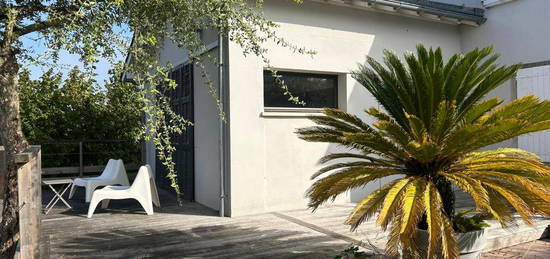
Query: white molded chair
(143, 190)
(113, 174)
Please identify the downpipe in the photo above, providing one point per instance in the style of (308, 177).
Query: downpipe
(222, 124)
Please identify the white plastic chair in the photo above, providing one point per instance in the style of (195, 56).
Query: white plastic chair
(113, 174)
(143, 190)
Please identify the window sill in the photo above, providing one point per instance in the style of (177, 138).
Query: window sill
(492, 3)
(290, 112)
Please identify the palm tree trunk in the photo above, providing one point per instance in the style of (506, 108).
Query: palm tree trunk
(11, 137)
(445, 189)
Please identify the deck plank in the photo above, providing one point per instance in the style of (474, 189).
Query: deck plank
(192, 230)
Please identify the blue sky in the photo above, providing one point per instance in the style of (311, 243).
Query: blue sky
(66, 60)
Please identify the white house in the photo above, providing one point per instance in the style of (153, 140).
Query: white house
(258, 160)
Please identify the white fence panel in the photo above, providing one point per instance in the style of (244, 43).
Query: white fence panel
(535, 80)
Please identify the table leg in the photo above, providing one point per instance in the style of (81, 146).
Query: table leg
(53, 201)
(57, 197)
(63, 192)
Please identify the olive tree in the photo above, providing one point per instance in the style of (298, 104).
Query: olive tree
(91, 29)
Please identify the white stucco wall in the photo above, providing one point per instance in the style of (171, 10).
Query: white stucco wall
(207, 154)
(520, 31)
(270, 166)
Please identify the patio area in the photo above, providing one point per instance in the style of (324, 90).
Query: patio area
(192, 230)
(124, 231)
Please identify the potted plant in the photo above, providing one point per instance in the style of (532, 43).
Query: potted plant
(471, 235)
(434, 122)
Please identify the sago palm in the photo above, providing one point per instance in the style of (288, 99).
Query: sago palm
(434, 122)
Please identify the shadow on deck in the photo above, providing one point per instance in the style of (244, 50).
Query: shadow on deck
(191, 230)
(122, 207)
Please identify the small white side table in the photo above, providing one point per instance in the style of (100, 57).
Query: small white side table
(65, 184)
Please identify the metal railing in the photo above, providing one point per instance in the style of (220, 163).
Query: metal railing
(64, 157)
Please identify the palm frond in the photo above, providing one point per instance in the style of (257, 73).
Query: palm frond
(354, 164)
(432, 206)
(348, 118)
(443, 121)
(392, 201)
(343, 180)
(474, 188)
(540, 190)
(480, 109)
(394, 239)
(412, 207)
(377, 114)
(449, 245)
(500, 207)
(393, 131)
(375, 143)
(514, 200)
(500, 152)
(334, 156)
(367, 207)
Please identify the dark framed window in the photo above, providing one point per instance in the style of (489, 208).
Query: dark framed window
(316, 90)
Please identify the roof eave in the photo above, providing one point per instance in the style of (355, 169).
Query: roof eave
(410, 10)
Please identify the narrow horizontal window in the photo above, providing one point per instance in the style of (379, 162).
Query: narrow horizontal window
(316, 90)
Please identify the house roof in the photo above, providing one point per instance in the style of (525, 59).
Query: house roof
(454, 11)
(473, 8)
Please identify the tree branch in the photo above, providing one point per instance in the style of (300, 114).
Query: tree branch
(35, 7)
(9, 28)
(37, 27)
(43, 24)
(3, 12)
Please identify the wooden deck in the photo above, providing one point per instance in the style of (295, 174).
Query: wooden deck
(124, 231)
(191, 231)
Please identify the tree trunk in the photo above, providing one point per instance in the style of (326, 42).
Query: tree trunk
(11, 138)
